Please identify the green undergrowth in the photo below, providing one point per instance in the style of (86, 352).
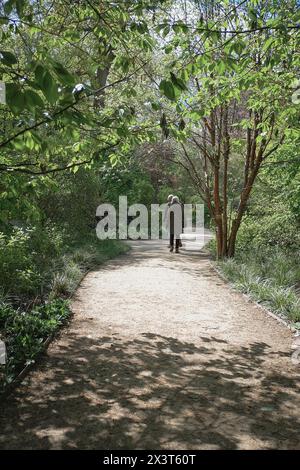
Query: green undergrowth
(40, 271)
(271, 280)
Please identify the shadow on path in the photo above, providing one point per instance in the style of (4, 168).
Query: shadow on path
(154, 392)
(136, 370)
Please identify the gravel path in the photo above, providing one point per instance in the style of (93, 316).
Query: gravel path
(161, 354)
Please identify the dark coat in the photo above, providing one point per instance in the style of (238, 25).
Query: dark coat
(176, 219)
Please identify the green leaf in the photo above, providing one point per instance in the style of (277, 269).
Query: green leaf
(39, 73)
(220, 66)
(33, 100)
(178, 27)
(141, 27)
(156, 106)
(20, 4)
(166, 86)
(123, 63)
(7, 58)
(181, 125)
(238, 46)
(49, 88)
(178, 82)
(160, 27)
(28, 140)
(268, 43)
(63, 74)
(195, 115)
(8, 6)
(166, 31)
(15, 97)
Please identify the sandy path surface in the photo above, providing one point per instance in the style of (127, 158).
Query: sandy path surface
(160, 353)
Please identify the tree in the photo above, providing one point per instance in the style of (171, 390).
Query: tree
(233, 92)
(55, 62)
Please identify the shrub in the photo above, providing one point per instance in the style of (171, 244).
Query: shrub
(278, 229)
(24, 332)
(17, 262)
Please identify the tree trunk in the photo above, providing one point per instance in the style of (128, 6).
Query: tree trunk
(241, 210)
(226, 152)
(101, 79)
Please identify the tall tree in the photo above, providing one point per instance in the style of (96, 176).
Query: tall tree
(233, 87)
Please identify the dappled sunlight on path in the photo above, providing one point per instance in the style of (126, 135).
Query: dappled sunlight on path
(159, 354)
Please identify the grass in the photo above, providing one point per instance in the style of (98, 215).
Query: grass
(271, 280)
(70, 269)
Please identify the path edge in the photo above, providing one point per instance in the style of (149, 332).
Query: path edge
(271, 314)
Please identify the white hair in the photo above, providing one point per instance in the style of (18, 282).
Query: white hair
(170, 197)
(175, 199)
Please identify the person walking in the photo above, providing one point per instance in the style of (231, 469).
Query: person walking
(175, 224)
(166, 218)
